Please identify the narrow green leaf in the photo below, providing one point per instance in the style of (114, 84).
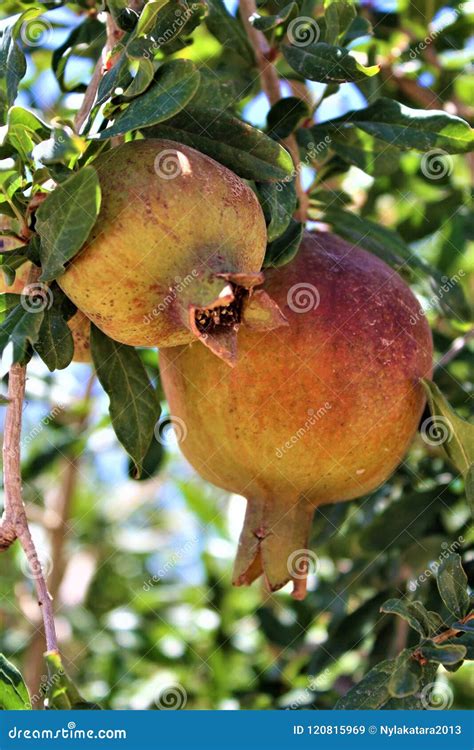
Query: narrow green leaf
(326, 63)
(338, 15)
(65, 219)
(284, 116)
(55, 344)
(228, 30)
(456, 434)
(20, 326)
(469, 484)
(278, 200)
(284, 248)
(406, 676)
(414, 613)
(148, 16)
(267, 23)
(134, 406)
(420, 129)
(25, 130)
(446, 654)
(244, 149)
(175, 85)
(12, 64)
(62, 694)
(13, 691)
(372, 691)
(452, 586)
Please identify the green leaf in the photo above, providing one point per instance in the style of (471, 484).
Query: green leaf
(62, 694)
(267, 23)
(327, 64)
(176, 83)
(354, 146)
(469, 484)
(456, 434)
(372, 691)
(228, 30)
(284, 248)
(278, 200)
(338, 15)
(13, 691)
(406, 676)
(55, 344)
(20, 325)
(25, 130)
(148, 16)
(65, 219)
(446, 654)
(284, 116)
(452, 586)
(414, 613)
(420, 129)
(12, 64)
(89, 36)
(467, 641)
(244, 149)
(134, 406)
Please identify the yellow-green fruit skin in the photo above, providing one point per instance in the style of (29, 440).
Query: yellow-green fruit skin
(317, 412)
(169, 215)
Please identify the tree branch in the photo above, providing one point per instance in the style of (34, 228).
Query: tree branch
(456, 347)
(270, 82)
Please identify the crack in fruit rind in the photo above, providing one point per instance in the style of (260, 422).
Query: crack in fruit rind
(349, 345)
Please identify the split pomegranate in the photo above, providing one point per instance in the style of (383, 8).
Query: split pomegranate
(175, 253)
(320, 411)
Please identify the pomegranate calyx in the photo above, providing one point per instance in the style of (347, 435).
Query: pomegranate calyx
(273, 543)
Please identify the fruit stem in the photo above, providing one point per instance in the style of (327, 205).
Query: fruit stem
(274, 543)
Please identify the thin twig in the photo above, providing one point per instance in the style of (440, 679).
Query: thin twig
(271, 86)
(456, 347)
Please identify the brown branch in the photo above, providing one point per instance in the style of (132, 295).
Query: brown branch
(61, 511)
(447, 635)
(114, 35)
(270, 82)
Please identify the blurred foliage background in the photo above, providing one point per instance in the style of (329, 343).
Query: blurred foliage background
(141, 570)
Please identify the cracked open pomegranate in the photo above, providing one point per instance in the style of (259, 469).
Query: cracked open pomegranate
(175, 253)
(78, 324)
(319, 411)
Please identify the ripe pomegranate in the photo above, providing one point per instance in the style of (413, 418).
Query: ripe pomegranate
(79, 324)
(176, 250)
(317, 412)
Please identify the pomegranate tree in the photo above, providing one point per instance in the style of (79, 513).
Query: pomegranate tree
(316, 412)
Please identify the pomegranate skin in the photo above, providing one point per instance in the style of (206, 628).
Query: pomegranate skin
(317, 412)
(175, 227)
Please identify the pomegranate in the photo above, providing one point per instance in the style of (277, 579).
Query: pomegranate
(317, 412)
(79, 324)
(175, 253)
